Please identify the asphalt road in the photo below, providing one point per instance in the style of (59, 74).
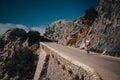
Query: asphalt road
(107, 67)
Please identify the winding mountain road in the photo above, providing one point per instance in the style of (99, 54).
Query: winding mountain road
(107, 67)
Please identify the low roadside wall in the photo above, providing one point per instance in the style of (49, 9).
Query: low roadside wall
(54, 66)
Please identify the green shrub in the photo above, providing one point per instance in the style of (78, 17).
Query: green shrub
(17, 33)
(90, 15)
(21, 63)
(96, 50)
(33, 37)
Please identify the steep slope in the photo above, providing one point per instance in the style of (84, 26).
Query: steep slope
(17, 54)
(71, 33)
(102, 27)
(65, 32)
(105, 33)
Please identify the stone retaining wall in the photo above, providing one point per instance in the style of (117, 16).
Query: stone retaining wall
(57, 67)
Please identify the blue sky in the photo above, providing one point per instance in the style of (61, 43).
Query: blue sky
(42, 12)
(36, 14)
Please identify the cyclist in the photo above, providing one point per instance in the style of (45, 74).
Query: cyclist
(87, 45)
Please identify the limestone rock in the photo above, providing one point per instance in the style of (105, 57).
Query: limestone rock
(102, 28)
(105, 34)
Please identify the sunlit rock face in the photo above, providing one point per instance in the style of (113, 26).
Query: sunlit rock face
(62, 31)
(105, 33)
(103, 29)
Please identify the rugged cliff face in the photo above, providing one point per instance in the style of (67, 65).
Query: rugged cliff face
(17, 54)
(102, 27)
(62, 31)
(71, 33)
(105, 32)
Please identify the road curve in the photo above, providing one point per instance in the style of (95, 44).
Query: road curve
(107, 67)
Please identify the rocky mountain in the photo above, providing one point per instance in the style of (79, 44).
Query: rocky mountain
(101, 26)
(71, 32)
(18, 58)
(61, 30)
(105, 32)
